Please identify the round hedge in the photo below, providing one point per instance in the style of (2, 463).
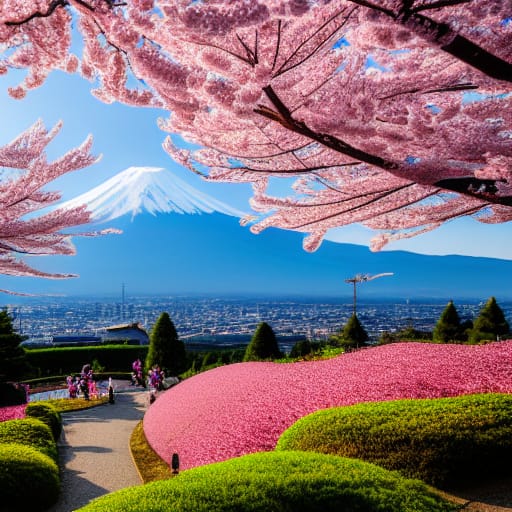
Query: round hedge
(29, 432)
(29, 480)
(284, 481)
(444, 441)
(48, 414)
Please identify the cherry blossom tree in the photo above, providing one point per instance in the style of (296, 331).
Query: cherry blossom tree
(395, 114)
(27, 225)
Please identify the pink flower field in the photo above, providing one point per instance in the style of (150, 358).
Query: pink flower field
(243, 408)
(13, 412)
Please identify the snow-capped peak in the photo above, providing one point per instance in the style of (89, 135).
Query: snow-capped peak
(152, 189)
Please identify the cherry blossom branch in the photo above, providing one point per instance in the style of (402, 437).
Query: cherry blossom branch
(448, 40)
(438, 5)
(472, 187)
(284, 68)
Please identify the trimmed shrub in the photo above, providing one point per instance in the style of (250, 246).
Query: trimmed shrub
(47, 414)
(166, 350)
(286, 481)
(263, 345)
(30, 432)
(29, 480)
(443, 441)
(69, 360)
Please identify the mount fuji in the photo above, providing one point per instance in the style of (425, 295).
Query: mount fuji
(147, 189)
(160, 252)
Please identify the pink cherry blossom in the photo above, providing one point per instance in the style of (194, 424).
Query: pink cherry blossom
(393, 114)
(243, 408)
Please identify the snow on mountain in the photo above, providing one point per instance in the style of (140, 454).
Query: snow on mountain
(147, 189)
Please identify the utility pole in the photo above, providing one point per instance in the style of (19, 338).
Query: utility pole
(361, 278)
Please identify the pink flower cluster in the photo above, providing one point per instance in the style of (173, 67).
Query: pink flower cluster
(243, 408)
(13, 412)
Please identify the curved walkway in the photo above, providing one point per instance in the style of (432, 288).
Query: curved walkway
(94, 449)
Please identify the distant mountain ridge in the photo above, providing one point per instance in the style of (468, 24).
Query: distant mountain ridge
(147, 189)
(213, 254)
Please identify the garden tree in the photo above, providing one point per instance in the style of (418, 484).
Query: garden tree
(263, 344)
(23, 229)
(12, 357)
(395, 114)
(353, 334)
(300, 349)
(405, 334)
(165, 349)
(490, 323)
(448, 326)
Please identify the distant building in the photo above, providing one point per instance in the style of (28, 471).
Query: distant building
(75, 339)
(133, 334)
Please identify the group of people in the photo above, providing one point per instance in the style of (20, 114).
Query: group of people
(156, 379)
(82, 385)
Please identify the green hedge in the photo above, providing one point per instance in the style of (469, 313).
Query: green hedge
(30, 432)
(273, 481)
(443, 441)
(47, 414)
(12, 394)
(29, 480)
(70, 360)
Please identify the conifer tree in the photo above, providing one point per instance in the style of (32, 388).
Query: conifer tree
(12, 356)
(165, 349)
(353, 334)
(490, 324)
(448, 326)
(263, 344)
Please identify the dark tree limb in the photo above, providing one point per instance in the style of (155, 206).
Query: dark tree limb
(485, 190)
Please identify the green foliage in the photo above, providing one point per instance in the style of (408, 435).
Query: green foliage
(29, 432)
(165, 349)
(353, 335)
(263, 345)
(77, 404)
(405, 334)
(13, 363)
(272, 481)
(449, 328)
(300, 349)
(48, 414)
(12, 394)
(97, 367)
(442, 441)
(490, 324)
(29, 480)
(69, 360)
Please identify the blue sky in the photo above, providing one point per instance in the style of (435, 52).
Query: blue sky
(126, 137)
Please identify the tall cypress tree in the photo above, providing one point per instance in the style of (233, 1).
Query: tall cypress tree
(448, 326)
(12, 357)
(354, 334)
(165, 349)
(263, 344)
(490, 323)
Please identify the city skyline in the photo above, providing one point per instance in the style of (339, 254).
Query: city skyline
(233, 321)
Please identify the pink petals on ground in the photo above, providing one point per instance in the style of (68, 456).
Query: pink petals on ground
(12, 412)
(243, 408)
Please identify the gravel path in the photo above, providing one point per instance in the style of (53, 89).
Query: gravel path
(94, 449)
